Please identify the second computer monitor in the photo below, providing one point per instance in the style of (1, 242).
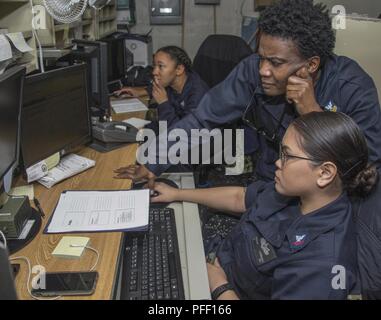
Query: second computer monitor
(94, 54)
(120, 59)
(11, 85)
(55, 113)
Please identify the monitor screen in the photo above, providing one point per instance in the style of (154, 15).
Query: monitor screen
(55, 114)
(94, 54)
(11, 85)
(115, 62)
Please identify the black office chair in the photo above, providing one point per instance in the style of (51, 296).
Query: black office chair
(218, 55)
(215, 59)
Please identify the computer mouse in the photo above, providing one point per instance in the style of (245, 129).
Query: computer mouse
(168, 182)
(138, 186)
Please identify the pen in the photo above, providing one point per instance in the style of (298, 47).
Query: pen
(37, 203)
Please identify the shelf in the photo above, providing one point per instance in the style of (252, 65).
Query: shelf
(52, 53)
(105, 34)
(86, 22)
(17, 1)
(64, 26)
(107, 19)
(16, 16)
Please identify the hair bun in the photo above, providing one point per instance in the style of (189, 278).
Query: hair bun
(365, 181)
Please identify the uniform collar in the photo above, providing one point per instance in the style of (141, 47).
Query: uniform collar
(308, 227)
(327, 78)
(277, 217)
(186, 88)
(272, 215)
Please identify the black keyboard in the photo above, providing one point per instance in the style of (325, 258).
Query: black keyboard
(151, 266)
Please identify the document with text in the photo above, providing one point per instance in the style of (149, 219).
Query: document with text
(96, 211)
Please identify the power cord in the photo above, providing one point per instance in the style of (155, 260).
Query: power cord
(37, 39)
(28, 281)
(90, 248)
(30, 268)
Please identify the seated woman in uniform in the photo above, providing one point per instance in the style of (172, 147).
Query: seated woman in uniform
(175, 87)
(296, 239)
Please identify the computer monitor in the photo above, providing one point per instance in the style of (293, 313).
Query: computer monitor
(55, 113)
(120, 59)
(7, 287)
(11, 87)
(94, 54)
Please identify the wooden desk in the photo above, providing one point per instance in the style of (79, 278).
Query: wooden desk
(108, 244)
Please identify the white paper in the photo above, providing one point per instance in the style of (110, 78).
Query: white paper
(27, 190)
(137, 123)
(91, 211)
(70, 165)
(128, 105)
(36, 171)
(5, 48)
(19, 42)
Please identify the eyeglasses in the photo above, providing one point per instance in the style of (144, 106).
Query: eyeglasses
(283, 156)
(252, 117)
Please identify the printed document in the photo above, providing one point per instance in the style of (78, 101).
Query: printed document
(95, 211)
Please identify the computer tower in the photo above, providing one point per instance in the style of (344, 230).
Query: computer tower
(140, 46)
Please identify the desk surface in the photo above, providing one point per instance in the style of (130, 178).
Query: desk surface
(108, 244)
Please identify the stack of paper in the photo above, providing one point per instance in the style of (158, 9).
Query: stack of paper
(128, 105)
(65, 250)
(69, 166)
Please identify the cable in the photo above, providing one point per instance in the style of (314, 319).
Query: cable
(241, 8)
(183, 25)
(30, 270)
(4, 238)
(90, 248)
(215, 19)
(28, 281)
(37, 39)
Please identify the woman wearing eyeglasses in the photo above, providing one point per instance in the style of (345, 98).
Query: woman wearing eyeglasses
(296, 238)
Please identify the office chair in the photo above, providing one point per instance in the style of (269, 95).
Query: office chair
(218, 55)
(215, 59)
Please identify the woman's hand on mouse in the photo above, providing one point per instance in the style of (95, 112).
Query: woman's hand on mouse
(165, 193)
(136, 173)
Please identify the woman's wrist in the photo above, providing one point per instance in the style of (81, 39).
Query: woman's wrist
(222, 290)
(178, 195)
